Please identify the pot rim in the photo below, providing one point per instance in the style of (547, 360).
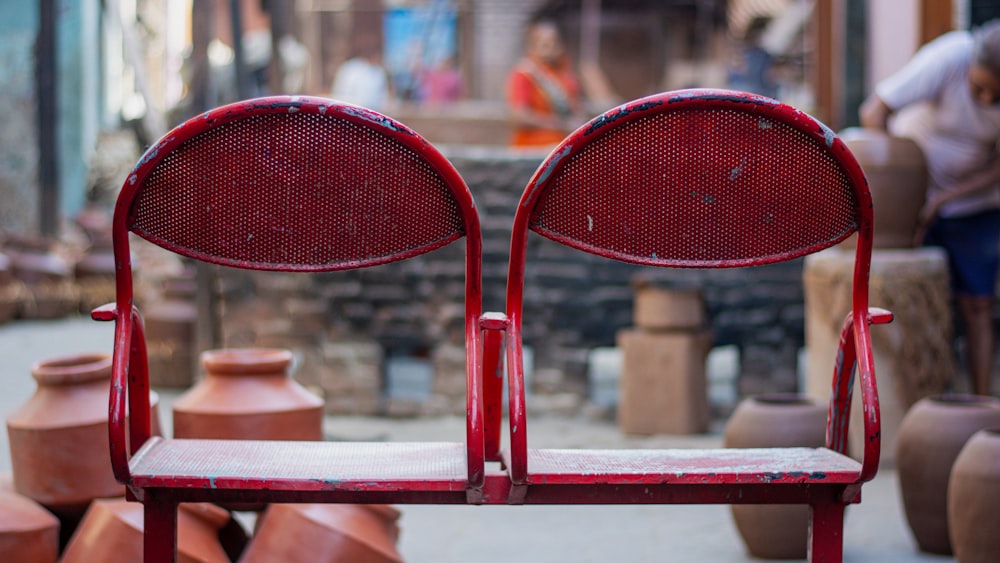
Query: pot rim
(965, 399)
(784, 399)
(237, 361)
(72, 369)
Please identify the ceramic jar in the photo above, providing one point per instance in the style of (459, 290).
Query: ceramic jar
(9, 290)
(766, 421)
(47, 279)
(247, 393)
(112, 531)
(28, 532)
(974, 499)
(931, 435)
(303, 533)
(59, 436)
(897, 175)
(170, 334)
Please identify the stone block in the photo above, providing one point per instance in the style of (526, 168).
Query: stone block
(663, 383)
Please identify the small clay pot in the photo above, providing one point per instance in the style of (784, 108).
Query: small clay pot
(59, 437)
(247, 394)
(28, 532)
(974, 499)
(303, 533)
(112, 531)
(931, 435)
(775, 531)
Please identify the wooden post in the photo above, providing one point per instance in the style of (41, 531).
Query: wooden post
(46, 84)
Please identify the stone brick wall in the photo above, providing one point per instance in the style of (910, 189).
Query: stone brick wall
(573, 303)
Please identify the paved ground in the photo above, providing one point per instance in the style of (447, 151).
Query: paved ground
(875, 529)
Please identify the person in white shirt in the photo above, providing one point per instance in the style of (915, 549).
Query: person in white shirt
(955, 81)
(362, 80)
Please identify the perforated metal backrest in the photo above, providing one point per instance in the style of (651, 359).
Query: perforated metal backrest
(296, 184)
(699, 178)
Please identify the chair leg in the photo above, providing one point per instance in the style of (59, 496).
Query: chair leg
(826, 533)
(160, 537)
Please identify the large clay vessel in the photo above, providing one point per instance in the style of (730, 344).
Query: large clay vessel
(333, 533)
(974, 499)
(247, 394)
(930, 437)
(779, 420)
(28, 532)
(59, 436)
(112, 531)
(897, 175)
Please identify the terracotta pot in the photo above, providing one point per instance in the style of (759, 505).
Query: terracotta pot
(28, 532)
(897, 176)
(325, 532)
(930, 437)
(974, 499)
(112, 531)
(9, 290)
(170, 335)
(247, 394)
(47, 277)
(780, 420)
(59, 437)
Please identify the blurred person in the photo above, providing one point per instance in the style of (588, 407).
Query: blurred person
(362, 80)
(543, 93)
(755, 73)
(952, 86)
(441, 83)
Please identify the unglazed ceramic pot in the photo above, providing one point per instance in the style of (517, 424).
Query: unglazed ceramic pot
(247, 394)
(28, 532)
(112, 529)
(974, 499)
(897, 175)
(303, 533)
(779, 420)
(170, 334)
(930, 437)
(59, 437)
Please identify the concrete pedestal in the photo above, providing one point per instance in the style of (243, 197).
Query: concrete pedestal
(913, 354)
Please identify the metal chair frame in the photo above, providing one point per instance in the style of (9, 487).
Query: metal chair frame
(247, 153)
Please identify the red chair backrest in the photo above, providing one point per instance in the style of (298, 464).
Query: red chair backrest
(699, 178)
(299, 184)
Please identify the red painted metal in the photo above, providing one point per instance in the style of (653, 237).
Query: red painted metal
(703, 179)
(692, 179)
(296, 184)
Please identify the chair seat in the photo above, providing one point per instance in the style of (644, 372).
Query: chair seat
(300, 466)
(687, 466)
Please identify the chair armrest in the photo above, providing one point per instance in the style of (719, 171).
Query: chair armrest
(128, 402)
(854, 354)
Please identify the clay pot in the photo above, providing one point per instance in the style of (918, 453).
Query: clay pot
(47, 279)
(170, 335)
(28, 532)
(112, 531)
(325, 532)
(930, 437)
(59, 437)
(9, 290)
(897, 177)
(779, 420)
(247, 394)
(974, 499)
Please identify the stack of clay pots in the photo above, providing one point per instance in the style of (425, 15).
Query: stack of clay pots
(663, 384)
(46, 276)
(59, 450)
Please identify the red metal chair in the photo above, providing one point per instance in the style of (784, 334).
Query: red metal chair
(699, 179)
(290, 184)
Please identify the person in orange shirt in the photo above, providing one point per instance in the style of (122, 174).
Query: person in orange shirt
(542, 91)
